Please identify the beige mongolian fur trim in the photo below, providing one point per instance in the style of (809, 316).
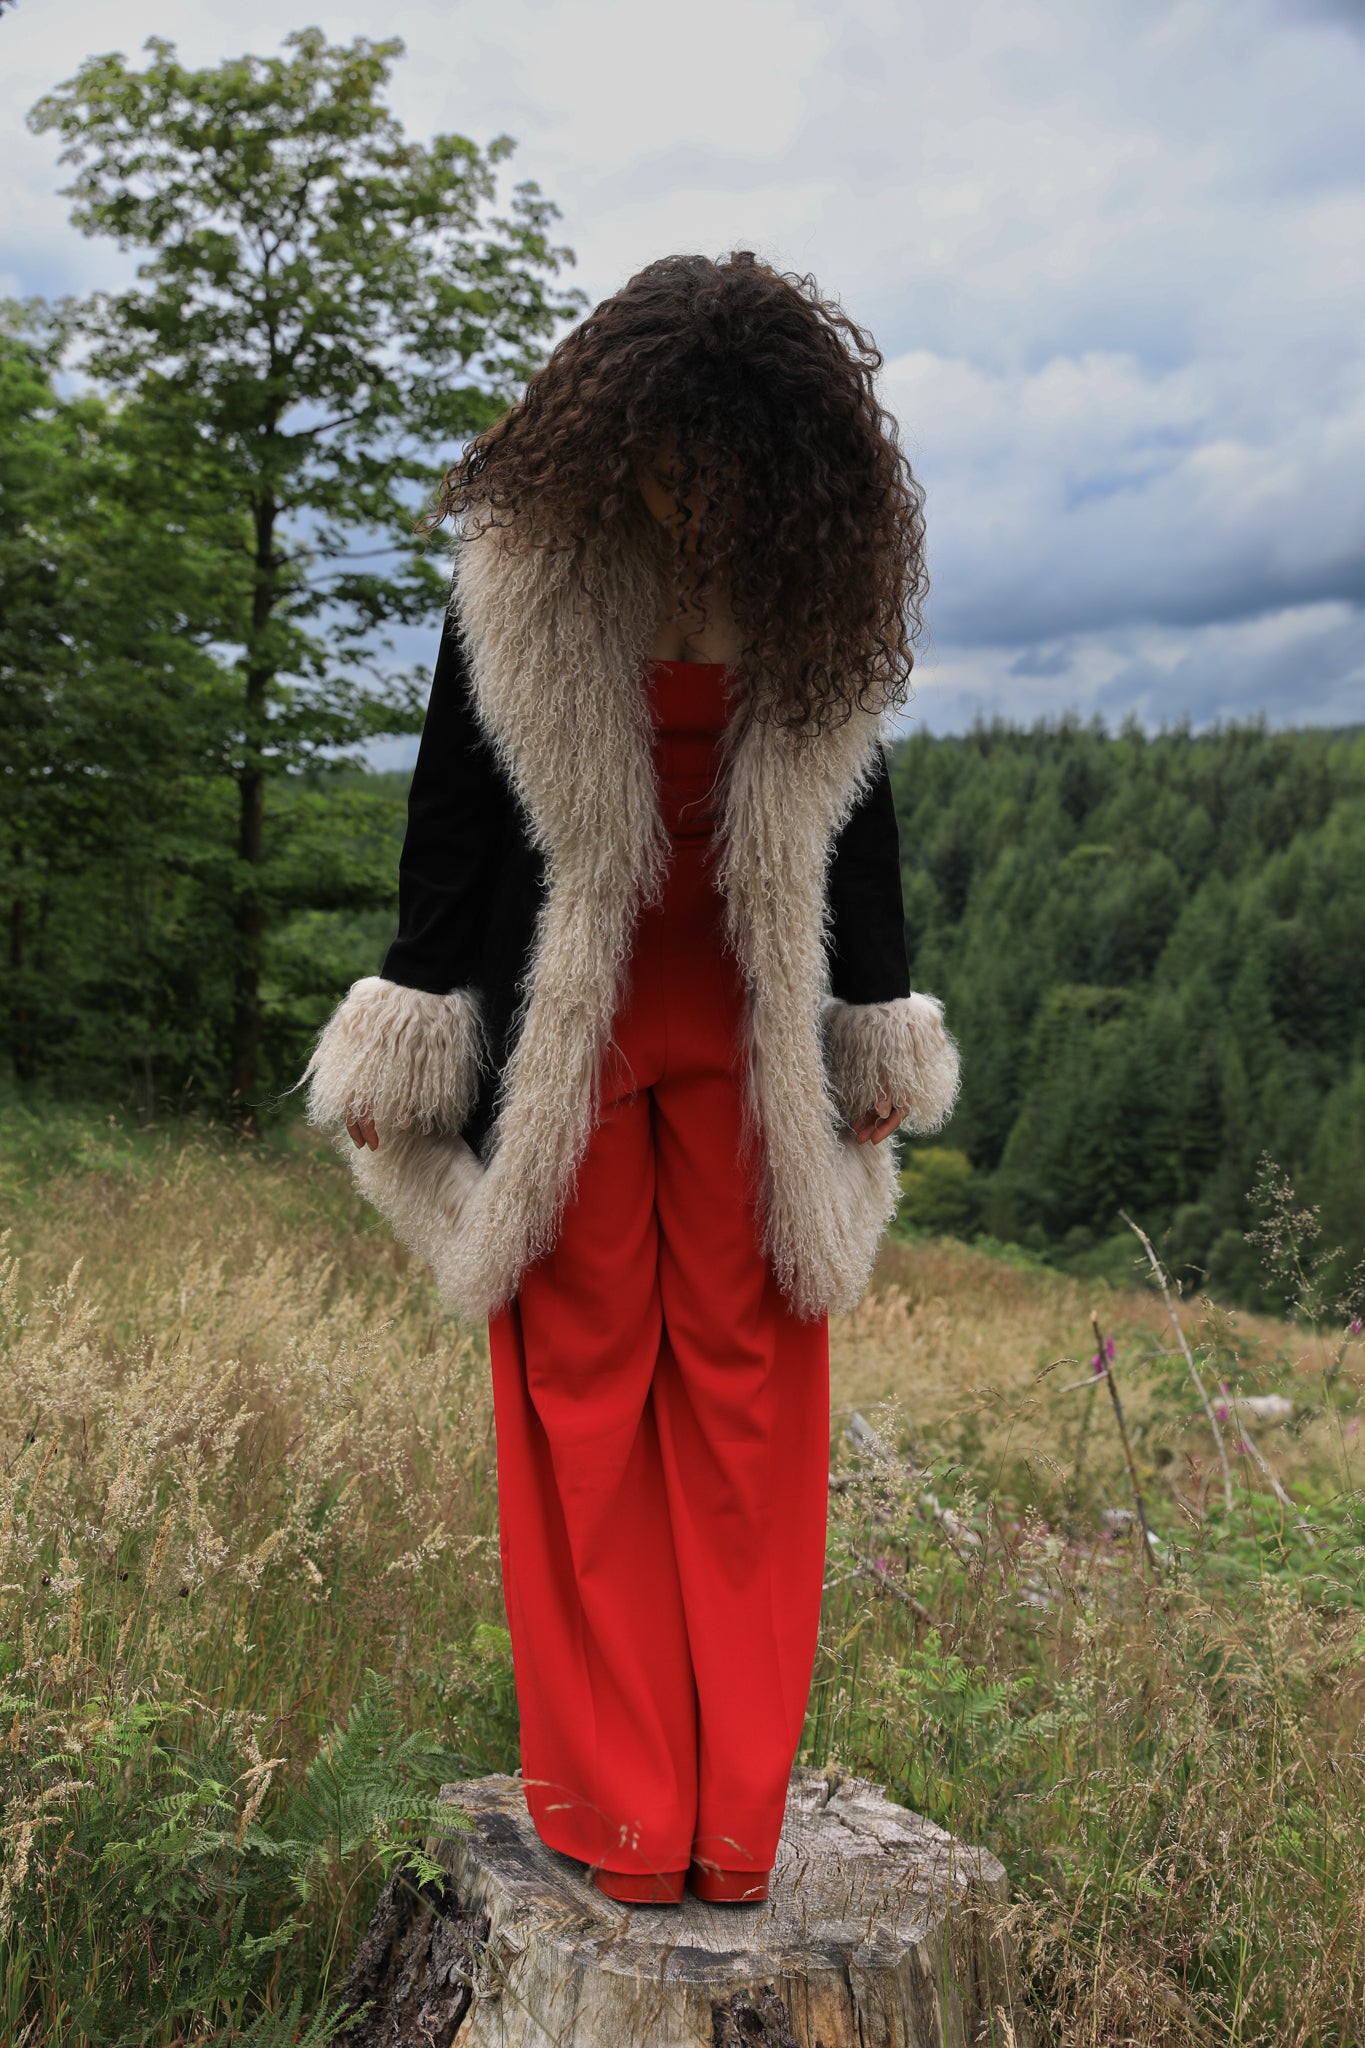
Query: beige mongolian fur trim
(827, 1199)
(899, 1052)
(428, 1187)
(400, 1055)
(556, 644)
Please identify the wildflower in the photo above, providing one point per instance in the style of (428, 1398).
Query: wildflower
(1098, 1362)
(1355, 1326)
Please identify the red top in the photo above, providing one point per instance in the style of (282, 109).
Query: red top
(691, 706)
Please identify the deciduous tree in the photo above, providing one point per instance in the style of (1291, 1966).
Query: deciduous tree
(324, 310)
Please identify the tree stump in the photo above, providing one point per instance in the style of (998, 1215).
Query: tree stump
(879, 1931)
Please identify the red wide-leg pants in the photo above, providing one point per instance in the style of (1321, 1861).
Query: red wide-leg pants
(663, 1448)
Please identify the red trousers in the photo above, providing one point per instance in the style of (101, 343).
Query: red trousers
(663, 1419)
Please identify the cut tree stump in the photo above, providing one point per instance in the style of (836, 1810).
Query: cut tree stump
(879, 1931)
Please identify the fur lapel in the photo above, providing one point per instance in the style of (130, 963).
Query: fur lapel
(556, 642)
(827, 1199)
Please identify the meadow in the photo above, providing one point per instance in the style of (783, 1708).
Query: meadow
(250, 1614)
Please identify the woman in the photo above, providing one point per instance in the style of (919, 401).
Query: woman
(627, 1074)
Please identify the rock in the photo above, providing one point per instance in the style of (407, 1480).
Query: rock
(1266, 1407)
(880, 1931)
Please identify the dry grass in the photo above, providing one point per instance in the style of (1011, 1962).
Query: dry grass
(244, 1462)
(203, 1359)
(245, 1457)
(1170, 1761)
(978, 1352)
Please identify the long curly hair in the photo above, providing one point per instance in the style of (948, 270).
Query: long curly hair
(803, 508)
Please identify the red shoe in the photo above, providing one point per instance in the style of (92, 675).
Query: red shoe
(728, 1887)
(642, 1887)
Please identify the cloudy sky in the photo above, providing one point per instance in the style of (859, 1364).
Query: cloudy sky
(1114, 255)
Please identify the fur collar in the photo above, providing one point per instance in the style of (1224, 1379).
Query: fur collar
(556, 643)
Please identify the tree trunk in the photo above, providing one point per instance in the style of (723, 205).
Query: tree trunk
(248, 920)
(23, 1052)
(248, 917)
(880, 1931)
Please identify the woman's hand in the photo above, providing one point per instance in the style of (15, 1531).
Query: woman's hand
(362, 1130)
(884, 1119)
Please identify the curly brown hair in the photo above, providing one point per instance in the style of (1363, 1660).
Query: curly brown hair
(805, 511)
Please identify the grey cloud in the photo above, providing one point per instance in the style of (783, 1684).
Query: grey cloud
(1022, 193)
(1321, 685)
(685, 167)
(1160, 591)
(1314, 678)
(1349, 13)
(1039, 661)
(1301, 668)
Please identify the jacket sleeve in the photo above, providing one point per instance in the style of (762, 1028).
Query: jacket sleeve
(883, 1041)
(405, 1045)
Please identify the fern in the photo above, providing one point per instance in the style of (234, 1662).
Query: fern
(367, 1783)
(161, 1911)
(281, 2029)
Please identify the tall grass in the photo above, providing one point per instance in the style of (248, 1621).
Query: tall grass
(250, 1608)
(243, 1466)
(1170, 1762)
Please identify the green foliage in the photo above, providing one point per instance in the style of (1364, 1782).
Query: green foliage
(475, 1685)
(1170, 1771)
(324, 310)
(1149, 950)
(154, 1874)
(107, 707)
(937, 1192)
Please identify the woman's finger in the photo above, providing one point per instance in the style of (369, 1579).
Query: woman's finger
(880, 1122)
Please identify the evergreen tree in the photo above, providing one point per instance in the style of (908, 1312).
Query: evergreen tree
(1149, 952)
(110, 705)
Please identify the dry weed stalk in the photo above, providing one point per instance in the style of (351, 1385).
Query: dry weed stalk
(1104, 1369)
(1160, 1274)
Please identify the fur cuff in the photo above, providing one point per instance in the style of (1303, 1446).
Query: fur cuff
(401, 1055)
(901, 1050)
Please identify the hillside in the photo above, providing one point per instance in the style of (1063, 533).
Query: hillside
(247, 1460)
(1150, 951)
(1148, 947)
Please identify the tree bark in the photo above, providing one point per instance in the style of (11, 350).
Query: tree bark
(879, 1931)
(248, 917)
